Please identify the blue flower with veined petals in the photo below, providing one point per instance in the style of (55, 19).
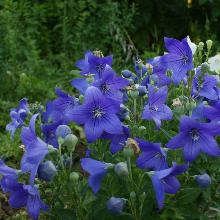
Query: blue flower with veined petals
(18, 115)
(153, 157)
(118, 141)
(93, 64)
(179, 58)
(156, 110)
(164, 181)
(97, 170)
(204, 85)
(195, 137)
(35, 149)
(98, 114)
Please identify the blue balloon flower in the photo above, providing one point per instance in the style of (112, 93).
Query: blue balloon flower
(98, 114)
(179, 58)
(35, 149)
(203, 180)
(195, 137)
(153, 157)
(115, 205)
(155, 109)
(47, 171)
(97, 170)
(18, 115)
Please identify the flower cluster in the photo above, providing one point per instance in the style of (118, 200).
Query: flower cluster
(121, 111)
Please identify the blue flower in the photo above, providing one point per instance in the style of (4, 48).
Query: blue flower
(212, 112)
(153, 157)
(35, 149)
(18, 115)
(203, 180)
(204, 85)
(179, 58)
(62, 131)
(20, 195)
(97, 170)
(159, 72)
(115, 205)
(98, 114)
(47, 171)
(56, 114)
(195, 137)
(117, 140)
(110, 85)
(164, 181)
(93, 64)
(156, 110)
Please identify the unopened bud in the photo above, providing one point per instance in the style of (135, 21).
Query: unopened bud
(121, 169)
(209, 44)
(70, 142)
(74, 176)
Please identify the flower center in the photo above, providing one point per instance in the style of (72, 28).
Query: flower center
(153, 108)
(100, 68)
(185, 59)
(97, 112)
(105, 88)
(195, 134)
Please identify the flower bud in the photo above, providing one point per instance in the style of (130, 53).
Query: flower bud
(133, 196)
(70, 142)
(51, 148)
(62, 131)
(209, 44)
(128, 152)
(203, 180)
(142, 90)
(81, 99)
(133, 94)
(126, 73)
(141, 128)
(74, 176)
(201, 45)
(121, 169)
(47, 171)
(115, 205)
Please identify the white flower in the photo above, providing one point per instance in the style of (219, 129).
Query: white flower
(191, 45)
(214, 63)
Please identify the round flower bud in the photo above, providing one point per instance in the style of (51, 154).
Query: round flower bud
(201, 45)
(128, 152)
(203, 180)
(141, 128)
(133, 196)
(74, 176)
(62, 131)
(81, 98)
(126, 73)
(209, 44)
(47, 171)
(70, 141)
(133, 94)
(142, 90)
(121, 169)
(115, 205)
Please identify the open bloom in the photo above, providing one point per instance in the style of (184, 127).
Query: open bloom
(153, 157)
(164, 181)
(118, 141)
(156, 110)
(94, 64)
(179, 58)
(97, 170)
(35, 149)
(195, 137)
(204, 85)
(98, 114)
(18, 115)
